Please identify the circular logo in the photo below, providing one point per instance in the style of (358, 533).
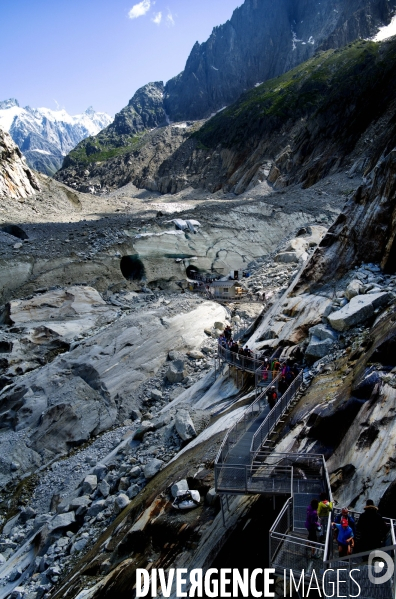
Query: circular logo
(382, 569)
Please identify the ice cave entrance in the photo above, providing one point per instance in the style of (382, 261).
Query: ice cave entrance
(15, 231)
(132, 268)
(192, 272)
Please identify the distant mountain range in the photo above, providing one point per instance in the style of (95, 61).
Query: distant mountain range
(45, 136)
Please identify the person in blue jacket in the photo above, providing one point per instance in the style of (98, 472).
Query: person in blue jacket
(345, 538)
(345, 514)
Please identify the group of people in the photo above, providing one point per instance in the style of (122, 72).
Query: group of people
(226, 340)
(369, 532)
(270, 369)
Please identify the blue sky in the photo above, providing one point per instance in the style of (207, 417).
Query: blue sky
(82, 53)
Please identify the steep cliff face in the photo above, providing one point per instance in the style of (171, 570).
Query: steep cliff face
(364, 231)
(16, 179)
(262, 40)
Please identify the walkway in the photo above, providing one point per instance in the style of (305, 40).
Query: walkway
(245, 464)
(241, 362)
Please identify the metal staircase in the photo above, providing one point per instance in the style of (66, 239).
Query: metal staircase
(245, 464)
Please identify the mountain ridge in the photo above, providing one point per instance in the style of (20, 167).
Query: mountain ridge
(45, 136)
(259, 42)
(284, 131)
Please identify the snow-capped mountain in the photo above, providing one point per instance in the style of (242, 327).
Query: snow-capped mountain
(45, 136)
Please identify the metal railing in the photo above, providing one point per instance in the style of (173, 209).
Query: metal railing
(264, 377)
(238, 360)
(272, 419)
(360, 576)
(253, 478)
(235, 433)
(303, 476)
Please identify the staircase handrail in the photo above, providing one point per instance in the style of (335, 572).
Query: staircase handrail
(249, 410)
(274, 416)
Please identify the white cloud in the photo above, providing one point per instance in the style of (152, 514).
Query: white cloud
(140, 9)
(170, 21)
(157, 18)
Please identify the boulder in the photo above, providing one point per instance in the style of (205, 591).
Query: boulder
(286, 257)
(62, 521)
(161, 421)
(90, 483)
(100, 471)
(152, 467)
(219, 326)
(15, 574)
(354, 288)
(135, 472)
(176, 372)
(104, 488)
(184, 425)
(318, 348)
(26, 514)
(133, 491)
(322, 332)
(182, 485)
(156, 394)
(83, 501)
(79, 545)
(195, 355)
(144, 428)
(40, 520)
(121, 503)
(96, 508)
(123, 484)
(359, 309)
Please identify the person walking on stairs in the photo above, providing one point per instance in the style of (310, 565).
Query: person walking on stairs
(345, 537)
(272, 396)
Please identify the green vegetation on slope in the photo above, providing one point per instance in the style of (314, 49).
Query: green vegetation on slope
(328, 85)
(101, 148)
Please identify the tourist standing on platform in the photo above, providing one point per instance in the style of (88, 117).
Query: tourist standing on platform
(371, 528)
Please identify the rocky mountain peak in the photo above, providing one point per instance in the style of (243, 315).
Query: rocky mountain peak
(145, 110)
(263, 40)
(8, 103)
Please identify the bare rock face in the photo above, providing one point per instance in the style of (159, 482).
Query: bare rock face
(364, 232)
(353, 289)
(91, 387)
(16, 179)
(261, 41)
(65, 312)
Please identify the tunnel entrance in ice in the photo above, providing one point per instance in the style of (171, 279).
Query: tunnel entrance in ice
(15, 231)
(132, 268)
(192, 272)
